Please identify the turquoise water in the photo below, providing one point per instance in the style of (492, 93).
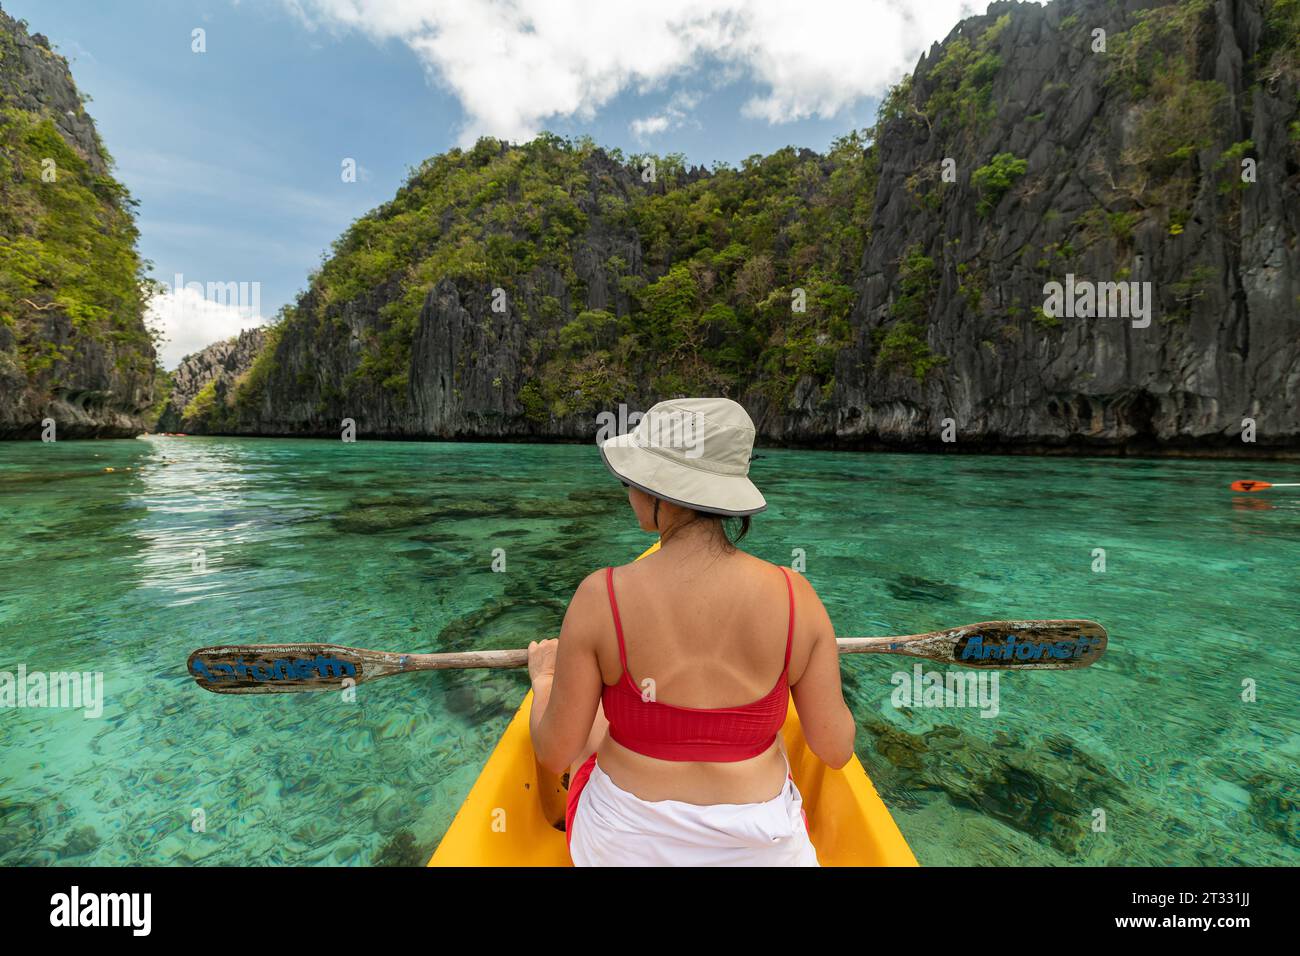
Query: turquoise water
(389, 545)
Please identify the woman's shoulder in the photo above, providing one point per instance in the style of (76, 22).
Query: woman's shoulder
(769, 568)
(588, 609)
(802, 587)
(592, 585)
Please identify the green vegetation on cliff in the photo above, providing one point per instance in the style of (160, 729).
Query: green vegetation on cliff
(1181, 116)
(902, 347)
(741, 269)
(491, 215)
(67, 240)
(626, 278)
(963, 81)
(757, 268)
(72, 286)
(994, 179)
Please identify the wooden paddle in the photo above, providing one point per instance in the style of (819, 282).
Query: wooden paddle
(289, 668)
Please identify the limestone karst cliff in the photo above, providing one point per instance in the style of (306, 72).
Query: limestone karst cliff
(206, 378)
(515, 291)
(73, 344)
(881, 294)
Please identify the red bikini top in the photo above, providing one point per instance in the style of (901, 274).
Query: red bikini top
(668, 732)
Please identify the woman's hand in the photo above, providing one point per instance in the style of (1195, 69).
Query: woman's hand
(541, 659)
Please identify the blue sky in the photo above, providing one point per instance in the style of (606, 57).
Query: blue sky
(235, 153)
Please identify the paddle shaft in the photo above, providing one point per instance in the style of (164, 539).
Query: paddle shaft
(289, 668)
(909, 644)
(467, 660)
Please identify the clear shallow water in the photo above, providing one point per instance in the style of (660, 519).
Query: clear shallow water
(389, 545)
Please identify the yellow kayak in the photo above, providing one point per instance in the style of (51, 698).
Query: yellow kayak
(509, 817)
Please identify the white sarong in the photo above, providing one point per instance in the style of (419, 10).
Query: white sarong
(612, 827)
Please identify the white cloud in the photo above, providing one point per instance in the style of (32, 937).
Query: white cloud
(648, 126)
(675, 115)
(514, 64)
(191, 320)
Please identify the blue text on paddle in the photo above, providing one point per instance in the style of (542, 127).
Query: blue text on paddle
(281, 669)
(976, 649)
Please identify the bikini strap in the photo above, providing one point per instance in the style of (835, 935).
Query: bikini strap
(789, 638)
(618, 624)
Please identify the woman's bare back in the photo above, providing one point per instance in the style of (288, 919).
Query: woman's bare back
(702, 630)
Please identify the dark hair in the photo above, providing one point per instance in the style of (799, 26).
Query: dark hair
(733, 529)
(729, 529)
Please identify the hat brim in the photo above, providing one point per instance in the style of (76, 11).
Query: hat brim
(732, 496)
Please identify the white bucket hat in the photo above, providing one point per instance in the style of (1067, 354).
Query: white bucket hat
(694, 452)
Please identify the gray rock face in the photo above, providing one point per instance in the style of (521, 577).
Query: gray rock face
(39, 82)
(1216, 351)
(221, 362)
(454, 398)
(468, 362)
(91, 385)
(1095, 201)
(96, 396)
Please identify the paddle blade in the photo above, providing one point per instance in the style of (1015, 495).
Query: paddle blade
(1031, 645)
(281, 668)
(1251, 485)
(1007, 645)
